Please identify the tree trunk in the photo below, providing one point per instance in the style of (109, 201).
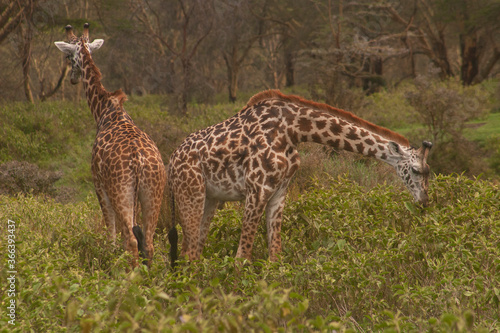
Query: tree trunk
(59, 84)
(470, 57)
(233, 83)
(186, 69)
(10, 18)
(374, 81)
(440, 55)
(289, 69)
(27, 36)
(288, 56)
(232, 67)
(486, 69)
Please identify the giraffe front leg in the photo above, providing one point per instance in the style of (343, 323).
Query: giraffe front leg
(274, 217)
(254, 208)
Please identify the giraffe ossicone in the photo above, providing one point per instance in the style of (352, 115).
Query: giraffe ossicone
(253, 155)
(127, 168)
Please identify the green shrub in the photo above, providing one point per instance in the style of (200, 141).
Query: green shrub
(23, 177)
(389, 108)
(444, 108)
(354, 258)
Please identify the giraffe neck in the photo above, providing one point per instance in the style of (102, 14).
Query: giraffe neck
(104, 105)
(343, 134)
(307, 121)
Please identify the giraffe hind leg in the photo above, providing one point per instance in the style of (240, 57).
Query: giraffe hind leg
(123, 205)
(210, 209)
(150, 198)
(274, 217)
(107, 212)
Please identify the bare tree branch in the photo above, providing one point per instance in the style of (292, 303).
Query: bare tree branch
(10, 21)
(64, 72)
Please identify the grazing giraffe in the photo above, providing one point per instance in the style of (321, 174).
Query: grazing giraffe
(253, 156)
(127, 168)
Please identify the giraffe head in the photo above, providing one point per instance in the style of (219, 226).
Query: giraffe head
(411, 165)
(73, 48)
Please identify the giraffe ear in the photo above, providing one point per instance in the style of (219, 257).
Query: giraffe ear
(96, 44)
(65, 47)
(394, 148)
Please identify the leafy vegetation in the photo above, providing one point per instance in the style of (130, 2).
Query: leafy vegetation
(354, 259)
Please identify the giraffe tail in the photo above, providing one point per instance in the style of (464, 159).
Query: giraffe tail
(172, 234)
(141, 243)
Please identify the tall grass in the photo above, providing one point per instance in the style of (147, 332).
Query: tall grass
(354, 258)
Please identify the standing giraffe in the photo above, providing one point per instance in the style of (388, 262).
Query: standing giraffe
(253, 156)
(127, 168)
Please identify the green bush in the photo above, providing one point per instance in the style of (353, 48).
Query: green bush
(444, 108)
(389, 108)
(354, 258)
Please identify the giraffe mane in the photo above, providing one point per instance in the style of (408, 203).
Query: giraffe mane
(118, 95)
(345, 115)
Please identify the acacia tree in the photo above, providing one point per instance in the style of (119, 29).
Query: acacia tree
(477, 24)
(286, 25)
(180, 32)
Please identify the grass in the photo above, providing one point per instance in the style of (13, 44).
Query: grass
(56, 136)
(354, 259)
(485, 129)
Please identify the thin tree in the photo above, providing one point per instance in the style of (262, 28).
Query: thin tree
(195, 22)
(238, 30)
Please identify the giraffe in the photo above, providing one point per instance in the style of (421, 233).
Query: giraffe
(253, 155)
(127, 168)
